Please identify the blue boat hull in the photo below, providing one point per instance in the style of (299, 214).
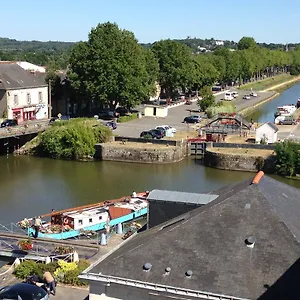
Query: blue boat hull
(100, 226)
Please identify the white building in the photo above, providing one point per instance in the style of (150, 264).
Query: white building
(219, 43)
(266, 132)
(23, 95)
(31, 67)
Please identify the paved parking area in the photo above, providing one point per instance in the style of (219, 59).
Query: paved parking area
(177, 114)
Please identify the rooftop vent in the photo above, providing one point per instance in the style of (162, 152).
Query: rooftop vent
(167, 270)
(147, 267)
(189, 273)
(250, 241)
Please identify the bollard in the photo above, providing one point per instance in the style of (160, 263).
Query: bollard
(75, 257)
(17, 262)
(47, 260)
(103, 240)
(120, 229)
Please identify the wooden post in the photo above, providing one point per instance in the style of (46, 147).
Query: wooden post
(49, 100)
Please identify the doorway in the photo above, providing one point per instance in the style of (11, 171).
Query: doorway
(154, 111)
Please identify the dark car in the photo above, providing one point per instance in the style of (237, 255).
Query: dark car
(153, 133)
(25, 291)
(9, 122)
(162, 130)
(62, 118)
(108, 114)
(192, 119)
(112, 125)
(123, 111)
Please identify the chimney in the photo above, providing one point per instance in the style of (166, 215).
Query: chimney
(258, 177)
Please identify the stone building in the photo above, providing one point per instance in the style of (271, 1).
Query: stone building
(23, 94)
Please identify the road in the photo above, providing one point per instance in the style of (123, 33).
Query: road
(177, 114)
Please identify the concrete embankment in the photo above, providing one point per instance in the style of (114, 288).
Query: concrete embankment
(140, 152)
(238, 159)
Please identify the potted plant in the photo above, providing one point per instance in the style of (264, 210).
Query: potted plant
(25, 245)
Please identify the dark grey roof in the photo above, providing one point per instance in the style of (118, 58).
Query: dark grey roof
(273, 126)
(210, 241)
(13, 76)
(174, 196)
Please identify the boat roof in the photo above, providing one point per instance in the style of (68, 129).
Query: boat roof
(86, 213)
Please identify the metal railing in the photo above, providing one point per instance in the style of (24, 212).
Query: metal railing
(12, 228)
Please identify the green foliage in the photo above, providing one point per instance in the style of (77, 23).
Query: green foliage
(221, 107)
(74, 139)
(112, 68)
(175, 66)
(4, 115)
(287, 158)
(208, 98)
(259, 163)
(64, 272)
(123, 119)
(246, 43)
(25, 269)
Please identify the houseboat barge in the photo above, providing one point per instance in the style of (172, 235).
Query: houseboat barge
(72, 222)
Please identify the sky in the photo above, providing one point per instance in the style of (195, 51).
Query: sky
(71, 20)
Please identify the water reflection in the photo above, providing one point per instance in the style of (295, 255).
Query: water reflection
(266, 111)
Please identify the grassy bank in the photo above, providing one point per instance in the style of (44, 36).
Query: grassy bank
(267, 83)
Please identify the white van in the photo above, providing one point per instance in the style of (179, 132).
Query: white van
(229, 96)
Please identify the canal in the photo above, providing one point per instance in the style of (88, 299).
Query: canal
(266, 111)
(31, 186)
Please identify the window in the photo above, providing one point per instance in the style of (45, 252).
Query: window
(40, 97)
(100, 217)
(16, 100)
(80, 222)
(91, 220)
(28, 98)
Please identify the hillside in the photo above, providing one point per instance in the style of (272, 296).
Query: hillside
(7, 44)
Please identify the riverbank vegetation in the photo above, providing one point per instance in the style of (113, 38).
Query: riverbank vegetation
(74, 139)
(64, 272)
(288, 158)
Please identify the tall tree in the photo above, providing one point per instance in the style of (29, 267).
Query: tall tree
(111, 67)
(246, 43)
(175, 66)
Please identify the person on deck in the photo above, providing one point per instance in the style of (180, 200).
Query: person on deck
(37, 224)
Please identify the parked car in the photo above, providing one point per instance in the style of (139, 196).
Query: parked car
(167, 127)
(235, 94)
(153, 133)
(288, 122)
(23, 291)
(9, 122)
(192, 119)
(108, 114)
(122, 111)
(112, 125)
(247, 97)
(62, 118)
(162, 130)
(253, 94)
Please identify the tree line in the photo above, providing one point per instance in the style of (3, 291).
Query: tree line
(112, 68)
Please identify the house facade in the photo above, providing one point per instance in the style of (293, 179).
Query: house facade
(23, 95)
(267, 133)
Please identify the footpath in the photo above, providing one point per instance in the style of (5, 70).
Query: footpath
(274, 87)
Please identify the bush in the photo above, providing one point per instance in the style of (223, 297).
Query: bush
(74, 139)
(64, 272)
(220, 107)
(127, 118)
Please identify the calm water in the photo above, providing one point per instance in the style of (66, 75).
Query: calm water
(265, 112)
(31, 186)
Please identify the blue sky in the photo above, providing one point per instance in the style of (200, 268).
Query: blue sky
(265, 20)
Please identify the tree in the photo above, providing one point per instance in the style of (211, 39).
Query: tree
(246, 43)
(152, 69)
(175, 66)
(208, 98)
(110, 68)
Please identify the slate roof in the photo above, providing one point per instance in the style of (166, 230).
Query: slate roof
(181, 197)
(273, 126)
(13, 76)
(210, 241)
